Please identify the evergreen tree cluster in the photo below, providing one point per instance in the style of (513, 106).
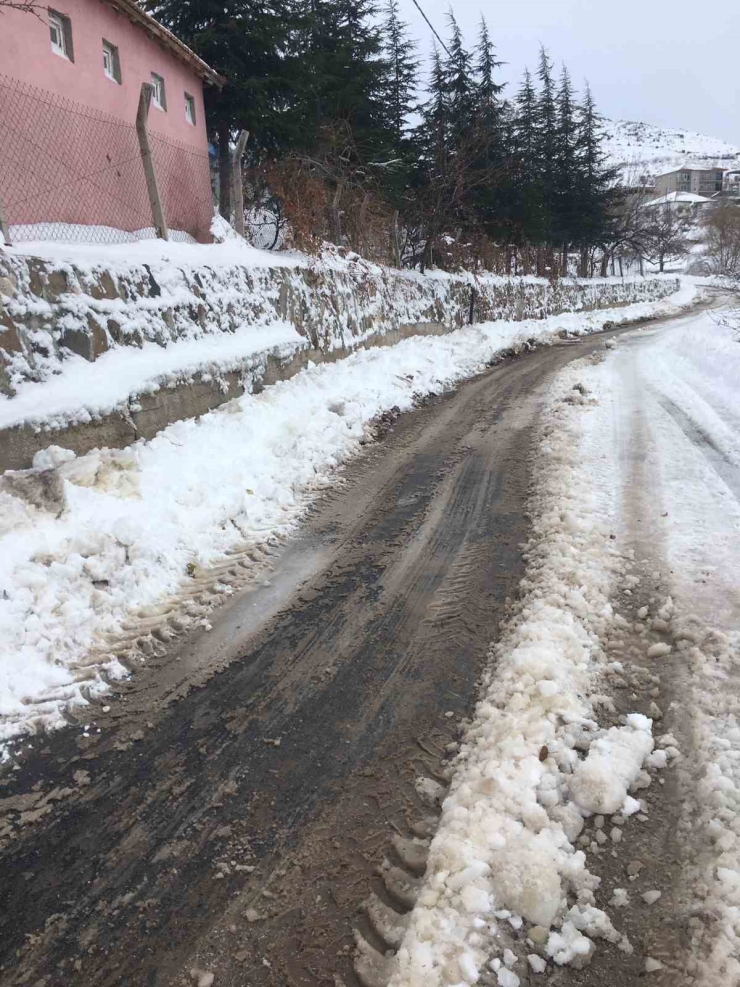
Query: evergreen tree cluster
(334, 84)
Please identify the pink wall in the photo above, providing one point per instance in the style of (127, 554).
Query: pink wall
(26, 55)
(61, 163)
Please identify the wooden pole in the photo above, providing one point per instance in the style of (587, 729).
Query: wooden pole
(155, 200)
(4, 226)
(471, 313)
(236, 180)
(395, 244)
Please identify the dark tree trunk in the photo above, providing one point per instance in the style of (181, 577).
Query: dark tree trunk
(426, 255)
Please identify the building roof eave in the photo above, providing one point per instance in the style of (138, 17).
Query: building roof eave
(168, 40)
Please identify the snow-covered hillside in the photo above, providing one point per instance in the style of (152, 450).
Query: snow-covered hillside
(642, 149)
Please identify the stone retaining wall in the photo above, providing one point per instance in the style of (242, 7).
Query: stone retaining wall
(50, 310)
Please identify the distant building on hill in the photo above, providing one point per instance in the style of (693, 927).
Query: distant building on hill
(731, 184)
(682, 203)
(698, 181)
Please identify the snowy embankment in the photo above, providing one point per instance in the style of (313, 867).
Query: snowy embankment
(507, 892)
(82, 391)
(115, 532)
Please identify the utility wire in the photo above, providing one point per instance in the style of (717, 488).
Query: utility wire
(431, 27)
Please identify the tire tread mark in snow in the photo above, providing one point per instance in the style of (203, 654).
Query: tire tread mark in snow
(727, 471)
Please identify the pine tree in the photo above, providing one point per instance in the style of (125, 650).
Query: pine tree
(527, 197)
(546, 138)
(595, 189)
(432, 135)
(546, 111)
(401, 72)
(460, 85)
(565, 178)
(344, 63)
(488, 92)
(526, 124)
(589, 137)
(492, 196)
(430, 192)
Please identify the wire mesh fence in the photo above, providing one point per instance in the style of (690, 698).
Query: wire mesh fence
(75, 174)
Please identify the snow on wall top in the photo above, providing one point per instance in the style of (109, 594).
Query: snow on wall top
(642, 149)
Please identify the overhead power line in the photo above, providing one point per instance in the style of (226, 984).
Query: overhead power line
(431, 27)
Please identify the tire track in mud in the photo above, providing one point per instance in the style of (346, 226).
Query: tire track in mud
(237, 827)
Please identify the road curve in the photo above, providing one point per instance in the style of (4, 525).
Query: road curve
(235, 826)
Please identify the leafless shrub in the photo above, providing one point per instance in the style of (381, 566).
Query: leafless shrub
(721, 229)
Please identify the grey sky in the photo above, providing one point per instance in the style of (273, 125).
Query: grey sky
(673, 64)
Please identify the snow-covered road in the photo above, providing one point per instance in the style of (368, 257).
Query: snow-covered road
(633, 583)
(673, 398)
(592, 826)
(675, 402)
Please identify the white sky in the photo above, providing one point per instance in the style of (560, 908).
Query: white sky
(675, 64)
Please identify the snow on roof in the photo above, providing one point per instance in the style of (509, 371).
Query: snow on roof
(677, 197)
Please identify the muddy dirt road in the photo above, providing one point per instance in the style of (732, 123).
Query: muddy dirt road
(234, 826)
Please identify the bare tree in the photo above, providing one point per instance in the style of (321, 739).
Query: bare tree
(627, 231)
(721, 229)
(440, 208)
(666, 232)
(29, 7)
(731, 316)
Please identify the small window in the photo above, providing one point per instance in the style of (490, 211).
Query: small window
(111, 62)
(158, 96)
(60, 29)
(190, 108)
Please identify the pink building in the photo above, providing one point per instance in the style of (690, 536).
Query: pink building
(70, 82)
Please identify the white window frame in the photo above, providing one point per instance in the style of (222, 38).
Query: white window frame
(111, 62)
(159, 95)
(60, 25)
(190, 114)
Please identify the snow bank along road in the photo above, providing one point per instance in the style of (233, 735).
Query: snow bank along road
(237, 829)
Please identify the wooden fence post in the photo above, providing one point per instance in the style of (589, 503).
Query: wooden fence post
(4, 231)
(394, 241)
(147, 160)
(236, 181)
